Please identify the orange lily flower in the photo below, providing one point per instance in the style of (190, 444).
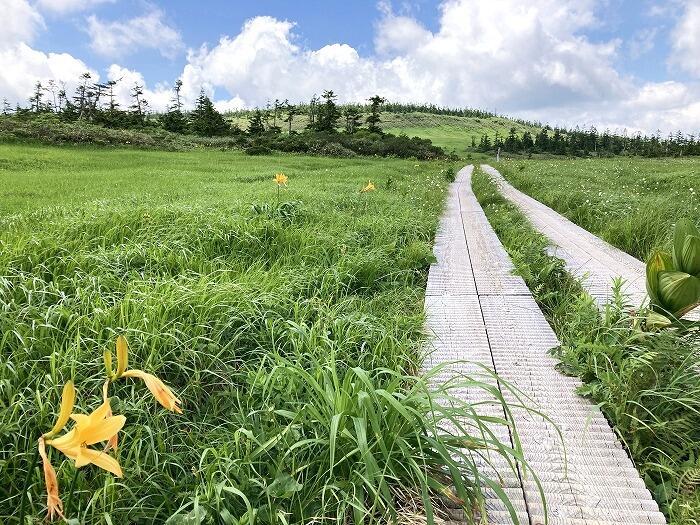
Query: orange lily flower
(369, 187)
(281, 179)
(163, 394)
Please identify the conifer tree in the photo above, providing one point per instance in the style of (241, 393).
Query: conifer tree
(80, 97)
(353, 119)
(35, 101)
(291, 111)
(256, 125)
(206, 120)
(313, 109)
(138, 106)
(373, 119)
(174, 120)
(329, 114)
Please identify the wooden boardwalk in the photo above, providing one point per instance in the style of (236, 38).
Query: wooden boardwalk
(482, 314)
(587, 257)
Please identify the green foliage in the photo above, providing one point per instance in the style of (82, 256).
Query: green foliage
(328, 113)
(256, 126)
(373, 119)
(631, 203)
(205, 120)
(174, 121)
(291, 333)
(647, 384)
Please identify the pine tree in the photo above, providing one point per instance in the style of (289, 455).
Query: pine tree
(313, 110)
(174, 120)
(35, 101)
(542, 140)
(256, 126)
(138, 106)
(512, 142)
(373, 119)
(52, 89)
(353, 119)
(81, 93)
(328, 114)
(6, 108)
(206, 120)
(291, 111)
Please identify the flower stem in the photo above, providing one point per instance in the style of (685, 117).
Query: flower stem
(32, 466)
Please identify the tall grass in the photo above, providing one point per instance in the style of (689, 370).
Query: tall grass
(632, 203)
(647, 385)
(291, 332)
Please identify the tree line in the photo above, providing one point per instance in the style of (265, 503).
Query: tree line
(96, 103)
(586, 142)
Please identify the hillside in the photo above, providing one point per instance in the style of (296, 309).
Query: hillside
(447, 131)
(451, 132)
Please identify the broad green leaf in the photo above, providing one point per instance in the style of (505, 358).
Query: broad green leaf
(690, 258)
(684, 228)
(678, 291)
(283, 486)
(658, 262)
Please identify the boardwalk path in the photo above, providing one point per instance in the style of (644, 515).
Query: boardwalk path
(587, 257)
(477, 310)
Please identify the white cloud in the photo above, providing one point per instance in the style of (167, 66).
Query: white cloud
(21, 67)
(685, 39)
(20, 22)
(67, 6)
(158, 98)
(530, 60)
(642, 42)
(120, 38)
(499, 53)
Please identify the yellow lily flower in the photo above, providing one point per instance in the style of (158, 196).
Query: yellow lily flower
(281, 179)
(54, 505)
(67, 402)
(369, 187)
(113, 441)
(88, 430)
(160, 390)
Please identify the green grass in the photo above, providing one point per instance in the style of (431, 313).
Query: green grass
(291, 331)
(451, 132)
(447, 131)
(647, 385)
(631, 203)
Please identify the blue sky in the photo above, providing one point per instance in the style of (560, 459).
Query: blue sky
(618, 63)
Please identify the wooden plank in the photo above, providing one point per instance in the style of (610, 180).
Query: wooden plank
(493, 321)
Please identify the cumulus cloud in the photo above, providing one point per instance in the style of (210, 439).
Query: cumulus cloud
(21, 22)
(531, 60)
(120, 38)
(21, 67)
(158, 98)
(67, 6)
(498, 53)
(685, 39)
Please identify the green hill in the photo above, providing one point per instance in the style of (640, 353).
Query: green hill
(447, 131)
(451, 132)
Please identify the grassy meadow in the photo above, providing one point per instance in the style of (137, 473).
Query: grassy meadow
(630, 202)
(281, 322)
